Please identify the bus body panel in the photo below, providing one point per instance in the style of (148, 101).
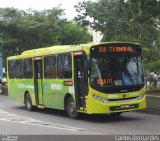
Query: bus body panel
(18, 87)
(55, 91)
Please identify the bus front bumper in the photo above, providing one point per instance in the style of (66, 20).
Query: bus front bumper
(96, 107)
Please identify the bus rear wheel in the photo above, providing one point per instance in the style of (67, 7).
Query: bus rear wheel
(28, 102)
(71, 109)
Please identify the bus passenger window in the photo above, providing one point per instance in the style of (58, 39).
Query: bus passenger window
(28, 70)
(64, 66)
(19, 68)
(50, 67)
(11, 69)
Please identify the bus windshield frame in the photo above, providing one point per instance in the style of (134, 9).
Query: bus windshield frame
(114, 71)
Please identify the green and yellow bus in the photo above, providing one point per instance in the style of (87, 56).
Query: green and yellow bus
(104, 78)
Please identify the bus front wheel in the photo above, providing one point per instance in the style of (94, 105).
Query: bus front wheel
(71, 108)
(28, 102)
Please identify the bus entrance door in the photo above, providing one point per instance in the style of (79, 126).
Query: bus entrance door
(38, 76)
(80, 79)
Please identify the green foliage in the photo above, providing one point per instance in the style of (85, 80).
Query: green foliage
(153, 66)
(23, 30)
(121, 20)
(74, 34)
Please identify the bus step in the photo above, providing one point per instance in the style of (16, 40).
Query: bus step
(40, 106)
(81, 108)
(81, 111)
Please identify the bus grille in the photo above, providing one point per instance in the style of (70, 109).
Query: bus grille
(115, 108)
(122, 99)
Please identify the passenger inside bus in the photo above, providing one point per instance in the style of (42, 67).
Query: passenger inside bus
(126, 76)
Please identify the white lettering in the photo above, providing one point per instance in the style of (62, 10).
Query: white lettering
(71, 89)
(113, 96)
(56, 87)
(20, 85)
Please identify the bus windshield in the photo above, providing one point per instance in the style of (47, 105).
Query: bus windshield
(111, 71)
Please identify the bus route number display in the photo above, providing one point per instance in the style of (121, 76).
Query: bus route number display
(105, 81)
(115, 49)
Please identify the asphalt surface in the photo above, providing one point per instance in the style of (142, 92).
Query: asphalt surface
(15, 120)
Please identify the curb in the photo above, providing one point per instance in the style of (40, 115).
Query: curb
(148, 111)
(152, 105)
(153, 102)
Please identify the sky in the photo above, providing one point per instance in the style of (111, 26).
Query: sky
(68, 5)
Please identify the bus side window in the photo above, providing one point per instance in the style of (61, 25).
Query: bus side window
(64, 66)
(50, 67)
(60, 73)
(11, 69)
(19, 68)
(28, 70)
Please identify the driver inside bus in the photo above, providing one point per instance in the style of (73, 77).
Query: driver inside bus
(94, 68)
(125, 76)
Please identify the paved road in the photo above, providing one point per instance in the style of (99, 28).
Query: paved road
(14, 119)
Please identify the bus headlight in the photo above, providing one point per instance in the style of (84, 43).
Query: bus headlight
(101, 99)
(140, 97)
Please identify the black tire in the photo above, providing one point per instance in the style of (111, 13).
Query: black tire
(28, 102)
(71, 109)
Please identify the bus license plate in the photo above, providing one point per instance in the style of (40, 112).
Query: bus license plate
(124, 106)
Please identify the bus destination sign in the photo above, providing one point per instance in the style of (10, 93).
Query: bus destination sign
(117, 49)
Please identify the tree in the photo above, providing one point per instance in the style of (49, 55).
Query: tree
(131, 20)
(74, 34)
(23, 30)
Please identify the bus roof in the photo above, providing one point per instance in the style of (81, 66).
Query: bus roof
(48, 51)
(58, 49)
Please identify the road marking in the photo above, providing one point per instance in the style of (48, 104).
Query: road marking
(10, 117)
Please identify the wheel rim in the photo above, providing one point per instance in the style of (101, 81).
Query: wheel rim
(28, 103)
(71, 108)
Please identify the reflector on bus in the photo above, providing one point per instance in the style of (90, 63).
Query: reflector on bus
(68, 83)
(78, 53)
(38, 58)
